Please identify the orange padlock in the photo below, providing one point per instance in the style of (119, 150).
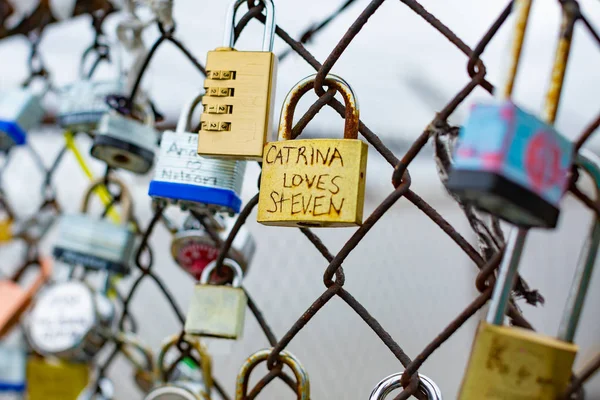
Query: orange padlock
(14, 299)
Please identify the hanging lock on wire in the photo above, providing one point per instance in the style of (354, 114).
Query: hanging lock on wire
(314, 182)
(218, 310)
(511, 362)
(240, 91)
(511, 163)
(134, 350)
(195, 182)
(14, 299)
(427, 387)
(13, 358)
(71, 320)
(95, 243)
(287, 358)
(123, 142)
(83, 103)
(21, 110)
(193, 248)
(185, 382)
(53, 379)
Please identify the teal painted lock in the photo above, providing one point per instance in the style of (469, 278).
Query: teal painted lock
(511, 164)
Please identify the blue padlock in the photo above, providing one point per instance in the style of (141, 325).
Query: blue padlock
(511, 164)
(184, 177)
(20, 111)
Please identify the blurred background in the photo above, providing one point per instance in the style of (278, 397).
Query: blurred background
(406, 272)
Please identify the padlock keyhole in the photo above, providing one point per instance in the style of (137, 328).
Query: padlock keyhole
(120, 158)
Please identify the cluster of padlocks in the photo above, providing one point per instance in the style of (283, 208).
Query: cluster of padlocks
(508, 162)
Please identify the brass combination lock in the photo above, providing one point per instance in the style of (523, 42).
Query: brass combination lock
(240, 90)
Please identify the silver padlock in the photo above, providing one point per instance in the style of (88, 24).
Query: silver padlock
(187, 382)
(193, 248)
(70, 320)
(184, 177)
(218, 310)
(126, 143)
(427, 387)
(20, 111)
(83, 103)
(97, 243)
(13, 359)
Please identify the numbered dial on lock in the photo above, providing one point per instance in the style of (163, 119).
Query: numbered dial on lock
(67, 320)
(193, 249)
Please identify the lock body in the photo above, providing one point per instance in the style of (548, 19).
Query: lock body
(14, 300)
(20, 111)
(12, 365)
(238, 104)
(84, 103)
(55, 380)
(6, 229)
(313, 183)
(511, 164)
(509, 362)
(193, 249)
(124, 143)
(181, 175)
(178, 391)
(67, 322)
(217, 311)
(94, 243)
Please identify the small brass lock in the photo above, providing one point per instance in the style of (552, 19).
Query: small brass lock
(126, 143)
(218, 310)
(20, 111)
(243, 378)
(193, 248)
(70, 321)
(240, 91)
(185, 382)
(510, 362)
(195, 182)
(56, 380)
(97, 243)
(14, 300)
(427, 387)
(314, 182)
(144, 372)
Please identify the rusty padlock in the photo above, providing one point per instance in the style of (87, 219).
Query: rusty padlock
(314, 182)
(14, 299)
(302, 382)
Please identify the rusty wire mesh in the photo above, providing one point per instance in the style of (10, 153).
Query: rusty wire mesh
(334, 275)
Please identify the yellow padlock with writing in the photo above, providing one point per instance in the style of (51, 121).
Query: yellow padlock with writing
(314, 182)
(515, 363)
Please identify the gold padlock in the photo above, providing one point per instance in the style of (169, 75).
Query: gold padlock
(240, 90)
(243, 378)
(218, 310)
(509, 362)
(6, 221)
(55, 380)
(314, 182)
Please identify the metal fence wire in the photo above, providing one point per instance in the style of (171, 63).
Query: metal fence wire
(486, 258)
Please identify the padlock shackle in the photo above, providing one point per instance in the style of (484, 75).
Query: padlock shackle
(302, 381)
(238, 273)
(507, 275)
(590, 163)
(269, 32)
(387, 385)
(128, 341)
(113, 51)
(205, 359)
(352, 118)
(125, 199)
(183, 124)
